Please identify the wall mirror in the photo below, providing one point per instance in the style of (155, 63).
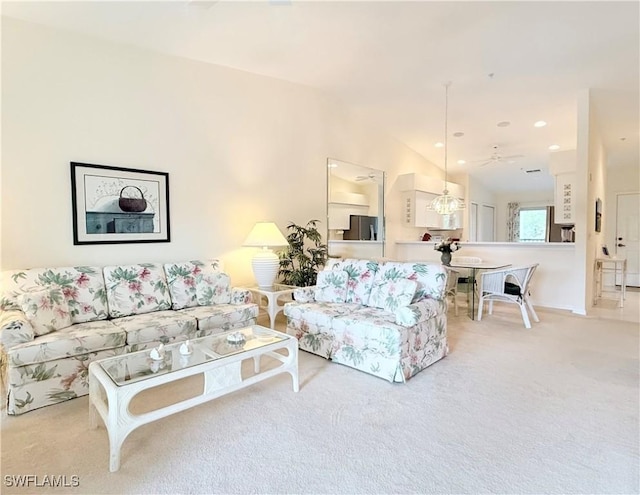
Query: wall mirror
(355, 210)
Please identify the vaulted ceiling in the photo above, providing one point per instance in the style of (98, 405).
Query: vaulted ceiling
(510, 63)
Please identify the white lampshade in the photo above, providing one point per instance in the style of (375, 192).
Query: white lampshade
(265, 263)
(265, 234)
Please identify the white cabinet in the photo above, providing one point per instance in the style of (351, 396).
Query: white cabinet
(343, 205)
(340, 213)
(565, 198)
(416, 213)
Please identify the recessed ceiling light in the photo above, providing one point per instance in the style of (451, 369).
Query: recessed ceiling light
(332, 165)
(554, 147)
(461, 162)
(540, 123)
(623, 139)
(458, 134)
(439, 145)
(504, 123)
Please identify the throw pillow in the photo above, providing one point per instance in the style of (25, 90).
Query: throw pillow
(213, 288)
(331, 286)
(47, 310)
(392, 294)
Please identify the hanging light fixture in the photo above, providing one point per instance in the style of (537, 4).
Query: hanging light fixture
(446, 204)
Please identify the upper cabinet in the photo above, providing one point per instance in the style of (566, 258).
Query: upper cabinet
(417, 193)
(562, 165)
(342, 205)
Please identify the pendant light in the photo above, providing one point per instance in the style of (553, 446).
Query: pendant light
(445, 204)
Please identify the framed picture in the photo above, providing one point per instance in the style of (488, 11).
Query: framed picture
(113, 205)
(598, 214)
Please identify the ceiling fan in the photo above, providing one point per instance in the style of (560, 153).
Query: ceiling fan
(496, 157)
(371, 177)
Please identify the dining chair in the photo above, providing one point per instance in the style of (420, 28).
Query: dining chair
(508, 285)
(463, 277)
(451, 289)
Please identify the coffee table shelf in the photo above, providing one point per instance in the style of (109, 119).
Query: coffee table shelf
(114, 382)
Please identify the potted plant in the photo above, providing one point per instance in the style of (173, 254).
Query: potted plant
(305, 255)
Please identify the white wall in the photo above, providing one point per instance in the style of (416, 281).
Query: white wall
(619, 180)
(239, 148)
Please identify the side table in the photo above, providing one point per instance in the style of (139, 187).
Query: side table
(274, 303)
(614, 266)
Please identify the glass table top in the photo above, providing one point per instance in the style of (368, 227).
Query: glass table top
(273, 288)
(136, 366)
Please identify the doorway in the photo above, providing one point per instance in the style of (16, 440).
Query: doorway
(628, 235)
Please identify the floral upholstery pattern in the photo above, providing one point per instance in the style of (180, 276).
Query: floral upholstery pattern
(392, 294)
(222, 316)
(361, 274)
(47, 310)
(158, 326)
(331, 286)
(394, 341)
(419, 312)
(71, 341)
(136, 289)
(82, 287)
(15, 329)
(214, 288)
(183, 278)
(45, 383)
(431, 278)
(241, 296)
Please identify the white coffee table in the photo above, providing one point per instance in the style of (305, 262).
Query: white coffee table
(274, 302)
(114, 382)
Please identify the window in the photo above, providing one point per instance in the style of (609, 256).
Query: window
(533, 224)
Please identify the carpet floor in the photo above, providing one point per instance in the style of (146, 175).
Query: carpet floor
(550, 410)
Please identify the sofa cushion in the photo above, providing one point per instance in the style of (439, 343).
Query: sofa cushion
(361, 274)
(182, 280)
(213, 288)
(47, 310)
(392, 294)
(75, 340)
(318, 313)
(136, 289)
(158, 326)
(331, 286)
(222, 316)
(82, 286)
(430, 277)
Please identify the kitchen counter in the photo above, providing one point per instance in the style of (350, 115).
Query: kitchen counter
(554, 283)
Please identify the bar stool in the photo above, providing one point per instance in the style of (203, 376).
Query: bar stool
(609, 265)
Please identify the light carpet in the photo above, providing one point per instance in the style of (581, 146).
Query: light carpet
(548, 410)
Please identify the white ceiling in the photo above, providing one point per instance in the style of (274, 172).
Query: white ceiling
(507, 61)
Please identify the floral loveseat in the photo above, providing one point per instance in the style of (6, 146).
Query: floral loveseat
(386, 318)
(55, 321)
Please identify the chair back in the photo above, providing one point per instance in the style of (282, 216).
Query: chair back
(494, 280)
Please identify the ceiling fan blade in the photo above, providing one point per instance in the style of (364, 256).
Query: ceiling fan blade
(487, 163)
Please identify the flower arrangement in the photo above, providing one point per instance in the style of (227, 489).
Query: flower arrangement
(447, 246)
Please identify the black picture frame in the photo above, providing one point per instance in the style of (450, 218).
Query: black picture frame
(598, 214)
(117, 205)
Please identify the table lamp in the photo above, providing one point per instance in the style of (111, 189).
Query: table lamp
(265, 262)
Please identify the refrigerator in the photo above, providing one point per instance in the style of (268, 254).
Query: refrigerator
(361, 228)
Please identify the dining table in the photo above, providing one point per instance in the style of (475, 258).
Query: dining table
(474, 269)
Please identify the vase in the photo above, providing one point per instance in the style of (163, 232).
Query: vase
(446, 258)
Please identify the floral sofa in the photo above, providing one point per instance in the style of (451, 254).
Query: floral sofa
(55, 321)
(386, 318)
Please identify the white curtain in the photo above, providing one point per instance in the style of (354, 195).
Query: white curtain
(513, 221)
